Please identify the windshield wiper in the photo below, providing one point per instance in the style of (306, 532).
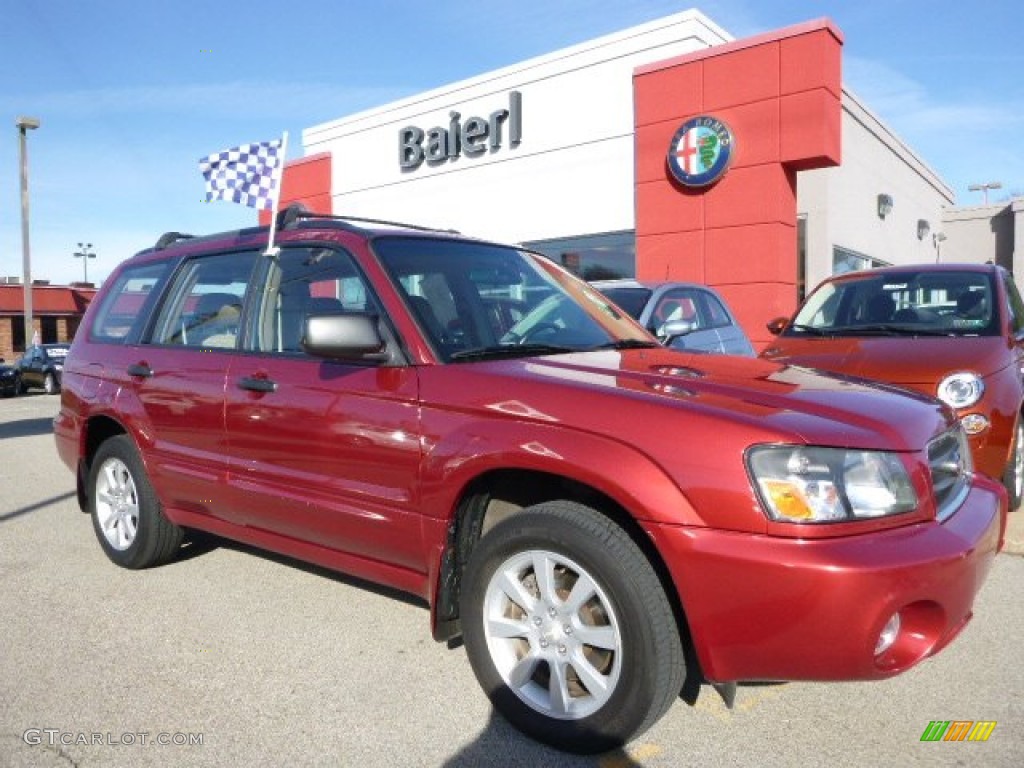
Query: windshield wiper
(873, 329)
(626, 344)
(510, 350)
(890, 329)
(814, 330)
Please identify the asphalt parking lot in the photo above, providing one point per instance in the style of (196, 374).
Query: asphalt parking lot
(230, 657)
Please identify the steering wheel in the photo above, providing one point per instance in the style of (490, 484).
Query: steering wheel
(511, 337)
(537, 330)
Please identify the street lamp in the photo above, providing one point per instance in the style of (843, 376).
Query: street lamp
(26, 124)
(85, 254)
(984, 188)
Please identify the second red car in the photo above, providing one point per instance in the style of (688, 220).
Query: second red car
(955, 332)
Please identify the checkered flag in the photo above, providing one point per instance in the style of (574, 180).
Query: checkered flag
(249, 174)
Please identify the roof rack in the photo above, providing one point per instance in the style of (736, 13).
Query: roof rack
(169, 238)
(296, 214)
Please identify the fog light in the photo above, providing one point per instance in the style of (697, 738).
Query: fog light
(974, 423)
(889, 633)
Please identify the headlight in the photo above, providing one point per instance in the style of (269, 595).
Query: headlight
(961, 390)
(806, 484)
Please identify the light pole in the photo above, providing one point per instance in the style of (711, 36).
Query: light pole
(984, 188)
(26, 124)
(85, 254)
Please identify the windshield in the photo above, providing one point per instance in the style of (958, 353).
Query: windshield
(473, 299)
(633, 300)
(915, 302)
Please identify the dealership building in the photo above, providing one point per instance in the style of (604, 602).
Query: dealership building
(589, 155)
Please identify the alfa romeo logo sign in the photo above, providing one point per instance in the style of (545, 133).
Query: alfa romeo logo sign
(700, 151)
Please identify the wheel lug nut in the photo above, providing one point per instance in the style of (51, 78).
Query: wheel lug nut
(567, 629)
(536, 621)
(561, 649)
(552, 612)
(543, 643)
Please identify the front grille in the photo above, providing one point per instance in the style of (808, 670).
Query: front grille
(949, 459)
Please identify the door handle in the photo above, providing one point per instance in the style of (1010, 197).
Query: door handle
(140, 369)
(254, 384)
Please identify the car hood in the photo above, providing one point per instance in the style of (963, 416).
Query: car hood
(657, 396)
(920, 362)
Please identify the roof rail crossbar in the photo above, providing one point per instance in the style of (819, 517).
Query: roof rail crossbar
(287, 218)
(388, 223)
(169, 238)
(295, 213)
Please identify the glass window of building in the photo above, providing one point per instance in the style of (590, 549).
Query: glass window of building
(846, 260)
(592, 257)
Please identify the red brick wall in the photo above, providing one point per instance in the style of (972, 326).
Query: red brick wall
(7, 338)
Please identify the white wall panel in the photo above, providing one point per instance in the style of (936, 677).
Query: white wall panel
(571, 174)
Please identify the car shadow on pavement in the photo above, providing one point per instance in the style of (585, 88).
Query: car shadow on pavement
(27, 428)
(499, 744)
(6, 516)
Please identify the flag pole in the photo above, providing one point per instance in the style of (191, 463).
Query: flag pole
(273, 250)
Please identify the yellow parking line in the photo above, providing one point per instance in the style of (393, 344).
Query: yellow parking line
(747, 700)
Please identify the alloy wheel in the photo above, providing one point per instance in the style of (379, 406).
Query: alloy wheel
(552, 634)
(117, 504)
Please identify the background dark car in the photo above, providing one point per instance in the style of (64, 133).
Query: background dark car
(682, 315)
(10, 380)
(42, 367)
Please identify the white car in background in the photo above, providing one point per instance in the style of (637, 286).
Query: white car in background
(682, 315)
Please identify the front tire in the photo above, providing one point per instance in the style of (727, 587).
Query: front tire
(1013, 476)
(569, 630)
(126, 515)
(50, 384)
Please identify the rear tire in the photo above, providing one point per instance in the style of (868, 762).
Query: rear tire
(50, 384)
(1013, 475)
(569, 630)
(126, 515)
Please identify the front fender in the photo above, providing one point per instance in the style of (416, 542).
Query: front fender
(620, 471)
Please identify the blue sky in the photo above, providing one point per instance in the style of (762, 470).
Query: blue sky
(131, 94)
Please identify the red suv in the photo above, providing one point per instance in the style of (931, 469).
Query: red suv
(599, 518)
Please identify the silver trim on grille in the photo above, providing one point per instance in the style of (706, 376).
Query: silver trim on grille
(949, 461)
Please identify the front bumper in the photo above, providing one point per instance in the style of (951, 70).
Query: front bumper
(770, 608)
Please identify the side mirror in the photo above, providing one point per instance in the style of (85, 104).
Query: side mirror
(352, 336)
(673, 329)
(776, 326)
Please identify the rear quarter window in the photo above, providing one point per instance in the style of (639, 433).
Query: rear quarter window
(127, 304)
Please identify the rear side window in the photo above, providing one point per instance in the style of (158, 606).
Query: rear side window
(717, 317)
(128, 303)
(204, 308)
